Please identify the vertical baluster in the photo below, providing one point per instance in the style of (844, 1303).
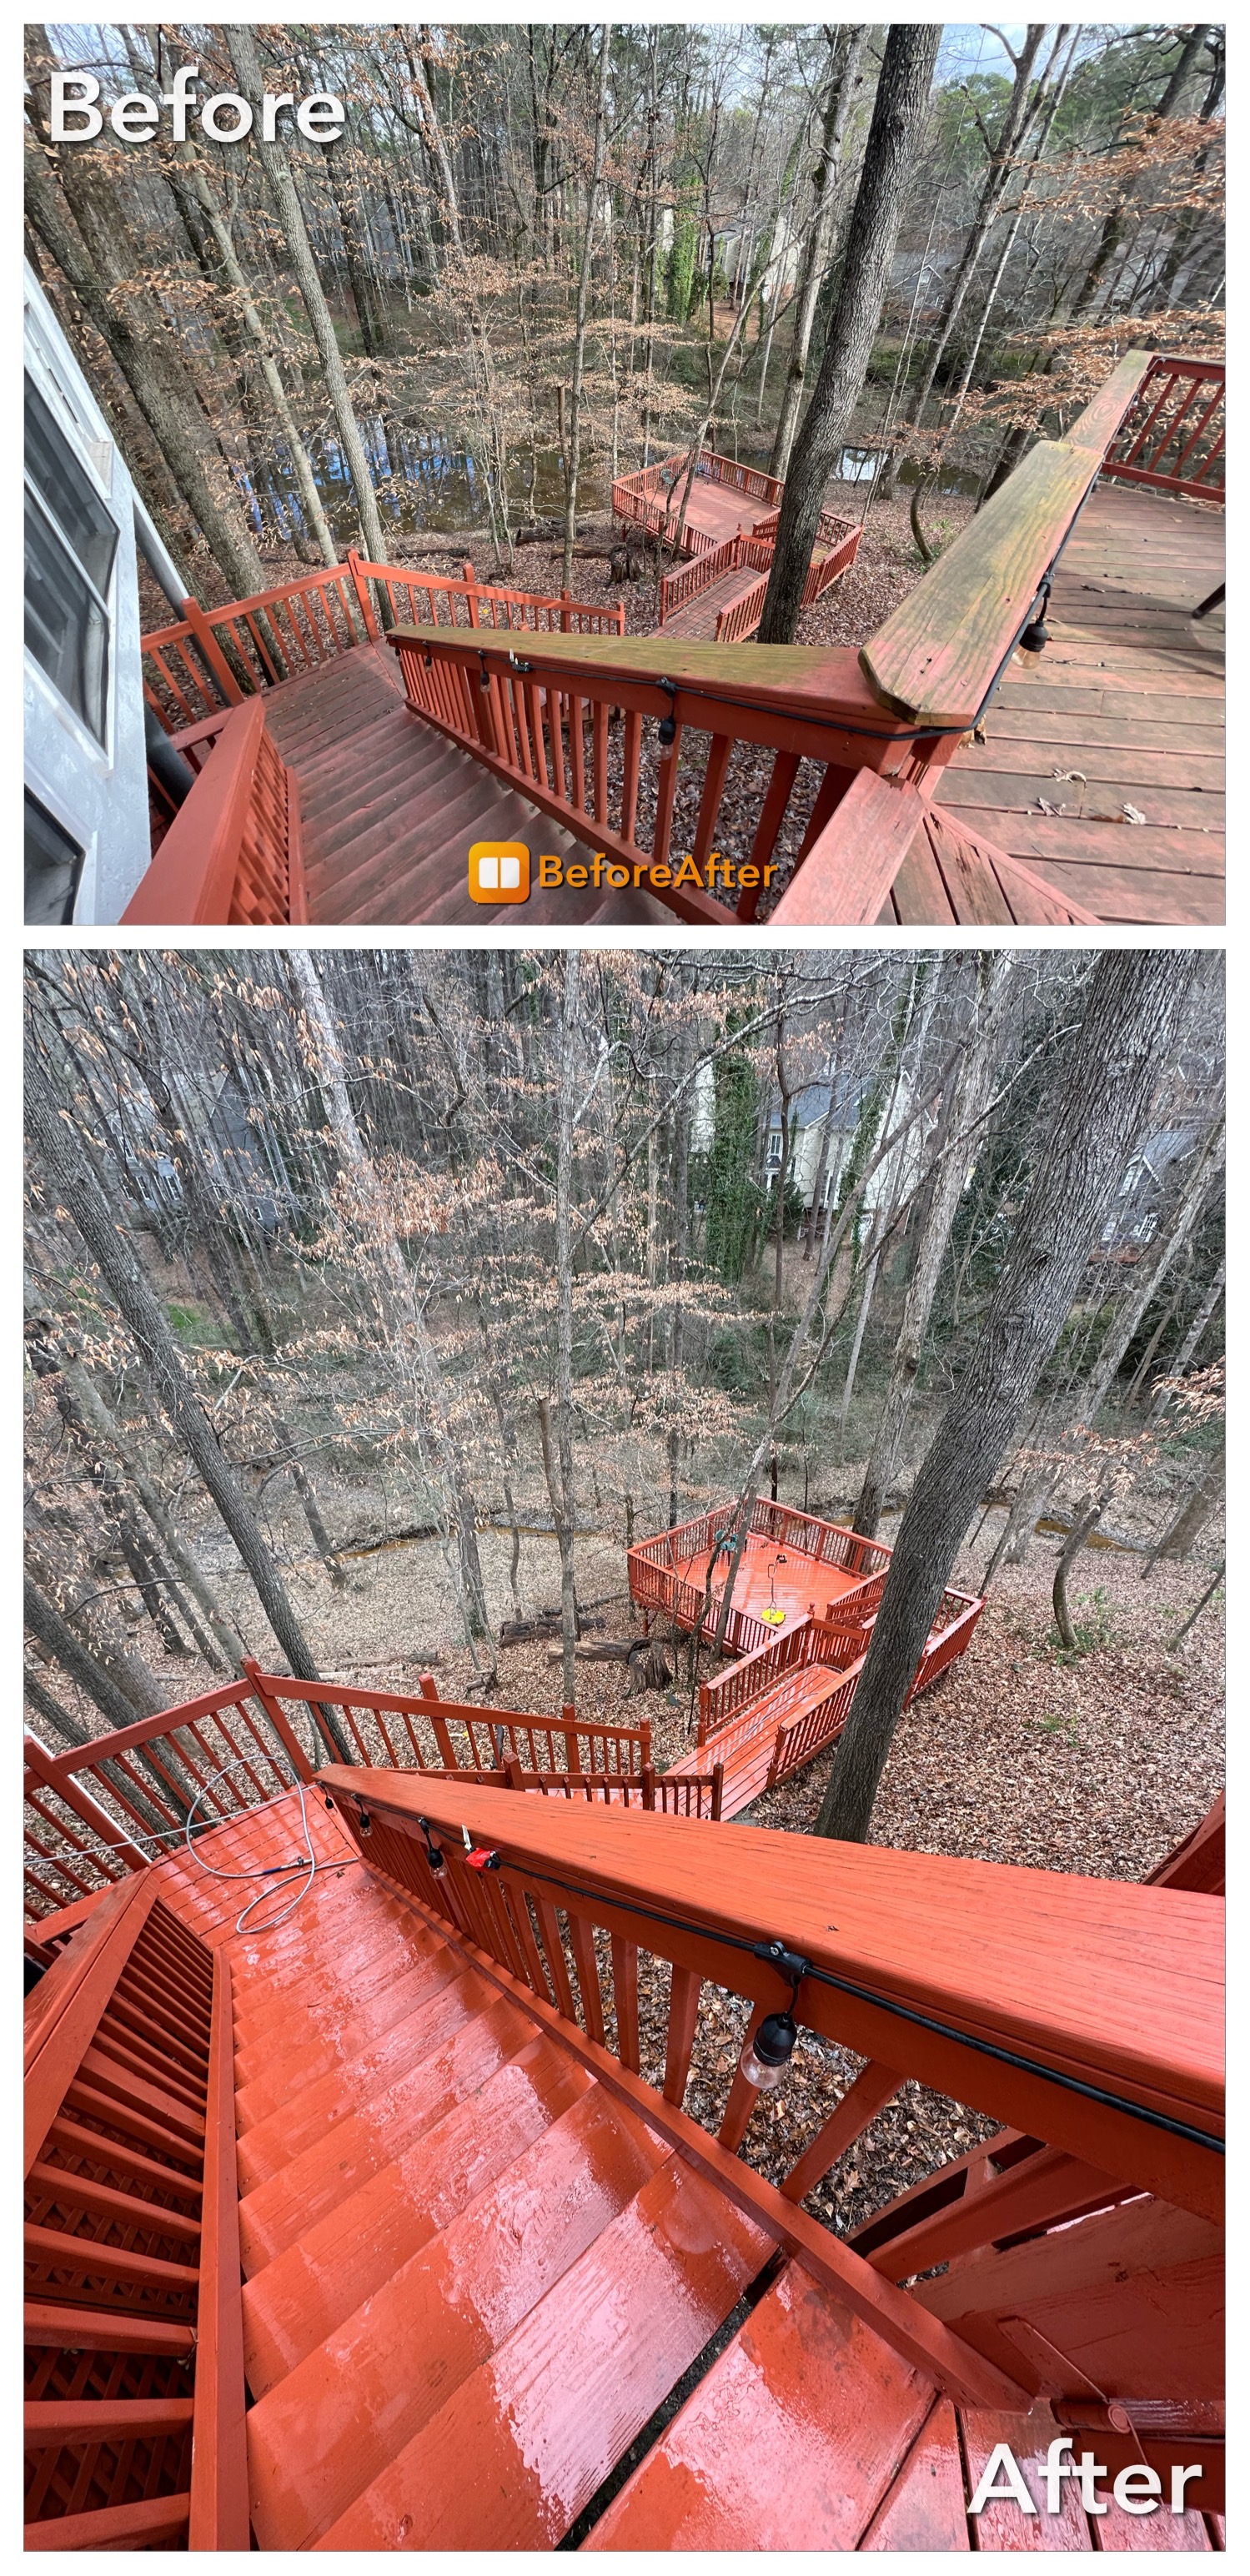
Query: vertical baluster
(557, 702)
(664, 800)
(582, 1937)
(629, 784)
(683, 2014)
(713, 791)
(601, 759)
(577, 747)
(516, 692)
(625, 1996)
(534, 711)
(514, 1894)
(553, 1951)
(772, 814)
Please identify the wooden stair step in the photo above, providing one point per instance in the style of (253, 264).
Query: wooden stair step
(349, 2087)
(348, 1948)
(334, 2033)
(293, 2067)
(332, 2155)
(792, 2441)
(339, 2419)
(300, 2297)
(548, 2416)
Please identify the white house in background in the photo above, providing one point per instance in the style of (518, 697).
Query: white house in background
(87, 834)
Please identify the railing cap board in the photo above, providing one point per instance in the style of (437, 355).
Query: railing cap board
(812, 679)
(995, 1948)
(935, 658)
(192, 877)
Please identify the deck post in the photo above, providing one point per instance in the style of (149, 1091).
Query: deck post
(362, 594)
(278, 1719)
(212, 652)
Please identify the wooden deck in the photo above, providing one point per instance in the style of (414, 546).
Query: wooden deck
(1129, 692)
(773, 1576)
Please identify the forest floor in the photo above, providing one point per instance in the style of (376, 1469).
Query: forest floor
(887, 567)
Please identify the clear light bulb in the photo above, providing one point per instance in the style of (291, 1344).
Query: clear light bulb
(766, 2055)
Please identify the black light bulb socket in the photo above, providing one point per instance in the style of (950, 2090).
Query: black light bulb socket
(364, 1821)
(774, 2040)
(668, 730)
(432, 1852)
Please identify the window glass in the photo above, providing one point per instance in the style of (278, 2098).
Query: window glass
(77, 508)
(66, 628)
(53, 865)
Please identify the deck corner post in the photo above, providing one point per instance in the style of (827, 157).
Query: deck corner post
(362, 594)
(263, 1685)
(212, 652)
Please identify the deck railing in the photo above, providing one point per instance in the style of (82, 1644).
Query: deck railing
(428, 1732)
(939, 657)
(214, 657)
(233, 851)
(99, 1811)
(1088, 2019)
(543, 723)
(649, 498)
(1173, 437)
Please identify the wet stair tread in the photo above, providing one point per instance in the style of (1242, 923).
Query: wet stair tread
(791, 2441)
(337, 2421)
(369, 2096)
(925, 2507)
(546, 2418)
(296, 2300)
(292, 2069)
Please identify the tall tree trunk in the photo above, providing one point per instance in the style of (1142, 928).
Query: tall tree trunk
(290, 213)
(995, 183)
(1192, 1338)
(583, 302)
(844, 77)
(255, 328)
(108, 1430)
(566, 1515)
(381, 1246)
(1132, 1022)
(898, 119)
(53, 1630)
(1171, 1239)
(74, 1179)
(972, 1090)
(176, 435)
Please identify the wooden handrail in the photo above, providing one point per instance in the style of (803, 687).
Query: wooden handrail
(937, 657)
(192, 878)
(960, 1973)
(219, 2514)
(64, 2011)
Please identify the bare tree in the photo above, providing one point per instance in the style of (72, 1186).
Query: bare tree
(1133, 1016)
(898, 117)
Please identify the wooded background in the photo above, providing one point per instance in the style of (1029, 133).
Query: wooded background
(328, 1249)
(539, 256)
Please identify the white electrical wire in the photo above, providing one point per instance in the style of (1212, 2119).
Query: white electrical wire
(287, 1871)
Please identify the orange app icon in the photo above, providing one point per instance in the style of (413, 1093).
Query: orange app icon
(499, 872)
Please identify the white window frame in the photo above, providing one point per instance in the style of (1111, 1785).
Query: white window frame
(90, 455)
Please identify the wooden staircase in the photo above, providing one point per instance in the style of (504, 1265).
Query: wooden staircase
(497, 2291)
(389, 808)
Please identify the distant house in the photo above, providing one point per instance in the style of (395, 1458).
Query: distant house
(87, 836)
(1150, 1179)
(821, 1107)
